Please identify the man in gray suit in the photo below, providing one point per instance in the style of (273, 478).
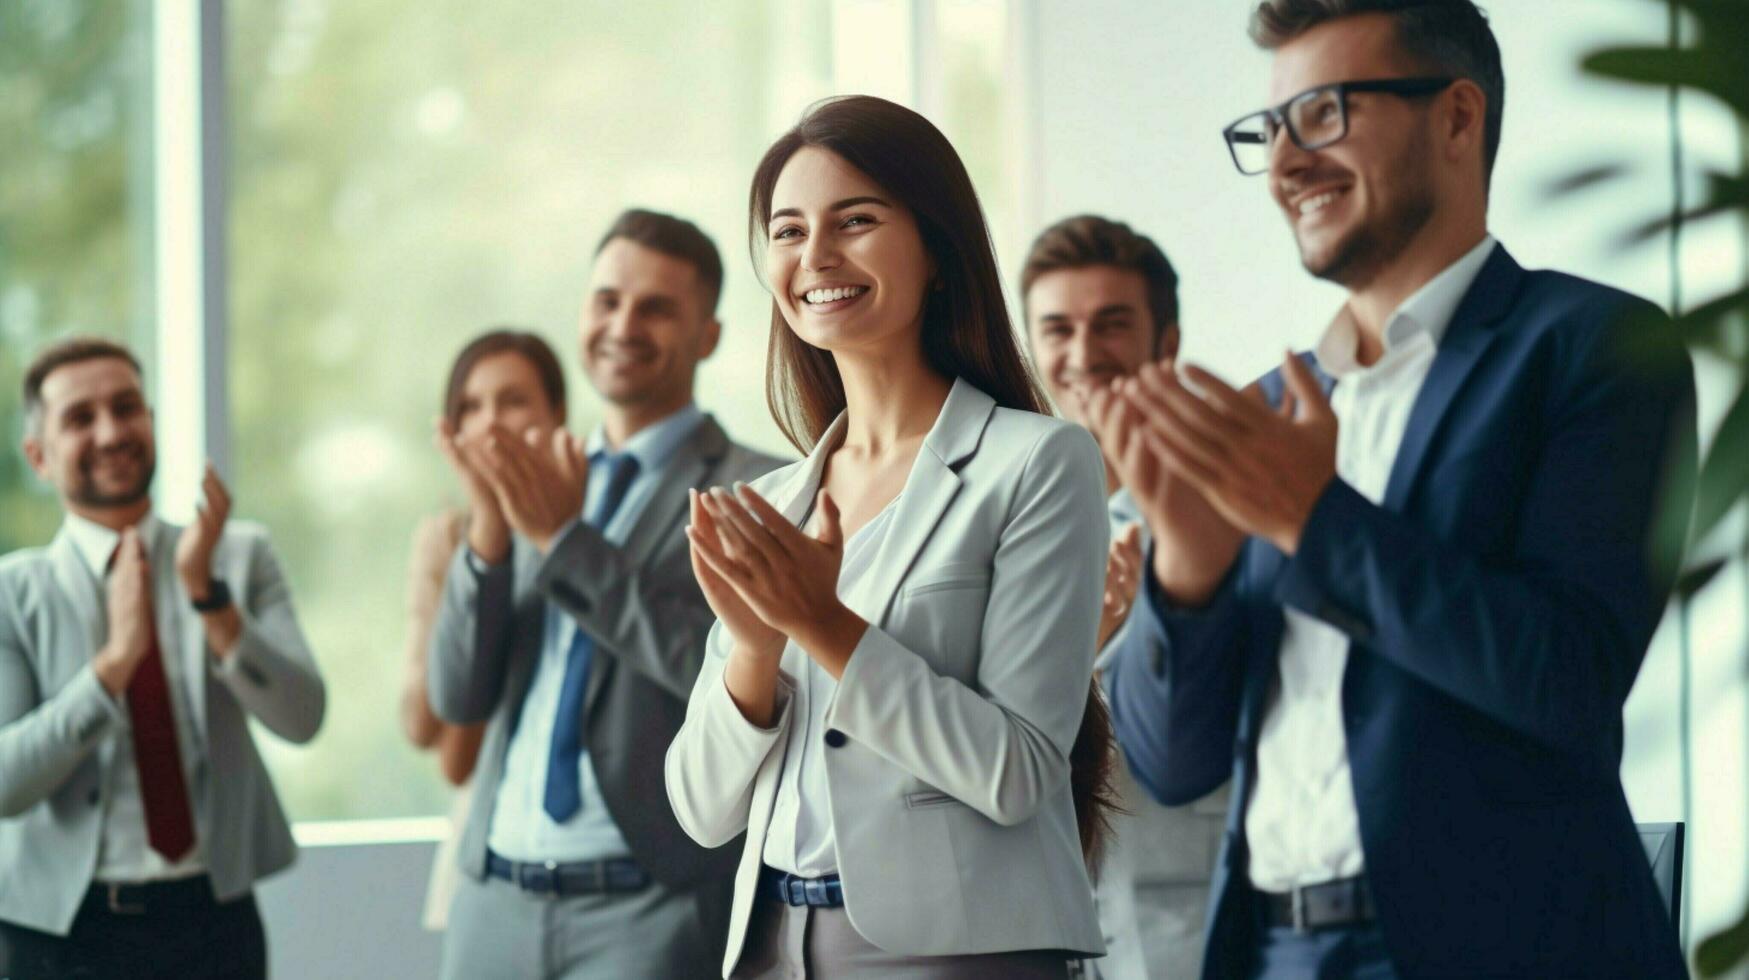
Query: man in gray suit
(572, 625)
(135, 814)
(1101, 300)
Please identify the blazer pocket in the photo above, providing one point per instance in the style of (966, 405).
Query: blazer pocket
(927, 799)
(953, 575)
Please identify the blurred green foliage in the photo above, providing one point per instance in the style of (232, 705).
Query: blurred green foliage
(75, 234)
(1711, 64)
(402, 175)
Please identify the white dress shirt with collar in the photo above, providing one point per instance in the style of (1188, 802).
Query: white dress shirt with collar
(521, 829)
(123, 853)
(1301, 825)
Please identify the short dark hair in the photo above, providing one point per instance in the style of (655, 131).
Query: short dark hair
(69, 350)
(1451, 37)
(504, 341)
(1089, 240)
(675, 237)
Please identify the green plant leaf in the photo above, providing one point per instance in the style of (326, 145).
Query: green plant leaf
(1715, 69)
(1707, 326)
(1725, 193)
(1696, 578)
(1724, 476)
(1723, 950)
(1589, 177)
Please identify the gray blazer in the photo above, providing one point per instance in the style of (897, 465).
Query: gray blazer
(56, 721)
(947, 754)
(647, 615)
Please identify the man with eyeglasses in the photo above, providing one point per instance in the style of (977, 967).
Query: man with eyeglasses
(1400, 588)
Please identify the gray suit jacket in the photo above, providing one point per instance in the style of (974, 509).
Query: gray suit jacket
(649, 620)
(56, 721)
(947, 750)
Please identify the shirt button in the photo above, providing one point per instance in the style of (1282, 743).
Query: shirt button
(835, 738)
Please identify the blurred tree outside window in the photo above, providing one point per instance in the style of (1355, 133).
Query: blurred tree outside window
(75, 203)
(404, 175)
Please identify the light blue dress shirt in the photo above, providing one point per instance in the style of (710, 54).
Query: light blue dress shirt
(521, 830)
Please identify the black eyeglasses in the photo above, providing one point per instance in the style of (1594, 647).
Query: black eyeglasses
(1314, 118)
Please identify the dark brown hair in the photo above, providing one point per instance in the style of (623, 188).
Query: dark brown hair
(502, 340)
(966, 330)
(1451, 37)
(59, 354)
(1089, 240)
(674, 237)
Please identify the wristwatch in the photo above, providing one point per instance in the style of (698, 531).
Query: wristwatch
(218, 596)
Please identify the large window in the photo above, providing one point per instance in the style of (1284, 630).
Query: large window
(75, 230)
(401, 174)
(407, 173)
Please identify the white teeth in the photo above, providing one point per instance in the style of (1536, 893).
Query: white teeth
(833, 295)
(1318, 203)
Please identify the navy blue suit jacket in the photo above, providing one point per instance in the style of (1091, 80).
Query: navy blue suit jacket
(1498, 603)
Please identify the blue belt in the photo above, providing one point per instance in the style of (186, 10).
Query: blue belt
(571, 877)
(825, 892)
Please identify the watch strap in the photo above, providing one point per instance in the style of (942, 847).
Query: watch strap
(218, 596)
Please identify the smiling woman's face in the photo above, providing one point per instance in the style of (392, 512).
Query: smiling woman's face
(844, 259)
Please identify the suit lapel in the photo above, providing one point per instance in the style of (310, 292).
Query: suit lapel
(688, 468)
(84, 591)
(1465, 340)
(930, 488)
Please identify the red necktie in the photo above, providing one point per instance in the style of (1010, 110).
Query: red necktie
(157, 756)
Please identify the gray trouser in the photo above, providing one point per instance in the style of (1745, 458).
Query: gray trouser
(796, 942)
(497, 931)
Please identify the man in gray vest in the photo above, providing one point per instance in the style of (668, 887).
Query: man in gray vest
(572, 625)
(135, 814)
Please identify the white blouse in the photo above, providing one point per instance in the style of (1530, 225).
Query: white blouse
(800, 838)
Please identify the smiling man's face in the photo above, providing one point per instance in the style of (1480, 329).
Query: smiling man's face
(1357, 204)
(95, 442)
(1090, 325)
(645, 326)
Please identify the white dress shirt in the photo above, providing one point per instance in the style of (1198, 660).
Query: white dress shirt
(124, 855)
(521, 828)
(800, 838)
(1301, 826)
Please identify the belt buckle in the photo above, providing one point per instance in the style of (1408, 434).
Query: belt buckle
(1297, 901)
(519, 872)
(117, 906)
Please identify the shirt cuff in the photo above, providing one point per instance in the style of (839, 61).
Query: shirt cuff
(479, 566)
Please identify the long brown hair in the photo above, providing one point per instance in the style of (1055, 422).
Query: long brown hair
(966, 330)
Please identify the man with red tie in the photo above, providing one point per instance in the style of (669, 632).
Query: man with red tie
(135, 814)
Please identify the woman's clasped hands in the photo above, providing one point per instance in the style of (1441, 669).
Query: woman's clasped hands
(768, 581)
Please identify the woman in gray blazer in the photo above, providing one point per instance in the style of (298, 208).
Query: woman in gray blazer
(892, 702)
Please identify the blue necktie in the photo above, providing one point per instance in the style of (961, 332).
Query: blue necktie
(564, 795)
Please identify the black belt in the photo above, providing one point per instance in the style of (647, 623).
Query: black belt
(571, 877)
(1329, 905)
(150, 897)
(825, 891)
